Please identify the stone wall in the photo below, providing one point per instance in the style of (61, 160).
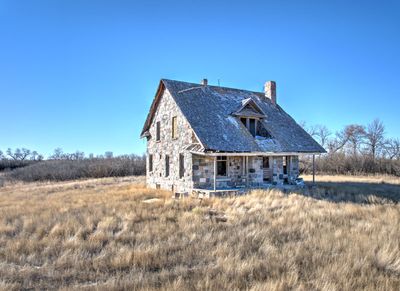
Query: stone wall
(203, 171)
(278, 176)
(167, 109)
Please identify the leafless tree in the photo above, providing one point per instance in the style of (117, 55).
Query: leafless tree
(34, 155)
(375, 137)
(78, 155)
(355, 134)
(108, 155)
(58, 154)
(311, 130)
(393, 148)
(18, 154)
(322, 133)
(2, 156)
(338, 143)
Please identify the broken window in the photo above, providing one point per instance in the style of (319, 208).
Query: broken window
(251, 125)
(255, 127)
(174, 127)
(158, 125)
(221, 166)
(166, 165)
(266, 162)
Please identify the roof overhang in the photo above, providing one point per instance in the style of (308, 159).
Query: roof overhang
(152, 110)
(247, 154)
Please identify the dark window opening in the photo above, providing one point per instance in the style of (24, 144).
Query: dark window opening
(285, 165)
(252, 126)
(181, 165)
(158, 131)
(266, 162)
(166, 166)
(150, 163)
(221, 166)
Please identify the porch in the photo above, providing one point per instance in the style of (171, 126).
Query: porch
(227, 173)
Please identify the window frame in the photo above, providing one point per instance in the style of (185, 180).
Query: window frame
(150, 163)
(222, 160)
(247, 122)
(167, 166)
(174, 129)
(181, 166)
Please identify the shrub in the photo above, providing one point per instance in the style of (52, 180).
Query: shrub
(61, 170)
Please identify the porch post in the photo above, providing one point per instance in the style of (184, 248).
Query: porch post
(313, 169)
(247, 171)
(215, 173)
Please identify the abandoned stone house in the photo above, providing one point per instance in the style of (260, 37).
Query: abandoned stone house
(210, 137)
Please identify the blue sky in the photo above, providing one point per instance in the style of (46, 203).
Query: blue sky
(82, 74)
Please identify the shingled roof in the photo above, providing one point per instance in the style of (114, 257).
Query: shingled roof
(210, 109)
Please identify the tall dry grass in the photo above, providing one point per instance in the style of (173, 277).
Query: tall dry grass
(113, 234)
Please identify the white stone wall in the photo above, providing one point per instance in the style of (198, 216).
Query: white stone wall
(167, 109)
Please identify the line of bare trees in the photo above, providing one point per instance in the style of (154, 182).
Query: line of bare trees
(26, 165)
(356, 149)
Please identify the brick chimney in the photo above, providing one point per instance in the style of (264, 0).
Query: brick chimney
(204, 82)
(270, 91)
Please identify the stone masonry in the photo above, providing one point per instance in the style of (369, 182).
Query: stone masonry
(166, 110)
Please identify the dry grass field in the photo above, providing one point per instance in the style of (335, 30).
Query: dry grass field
(113, 234)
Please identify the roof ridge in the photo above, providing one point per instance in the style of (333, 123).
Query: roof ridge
(214, 86)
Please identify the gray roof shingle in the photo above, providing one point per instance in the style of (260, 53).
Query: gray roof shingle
(209, 110)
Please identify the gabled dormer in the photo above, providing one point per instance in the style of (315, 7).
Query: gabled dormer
(251, 115)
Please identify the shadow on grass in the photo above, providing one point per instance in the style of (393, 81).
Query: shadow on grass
(356, 192)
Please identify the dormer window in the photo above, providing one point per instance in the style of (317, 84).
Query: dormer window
(251, 125)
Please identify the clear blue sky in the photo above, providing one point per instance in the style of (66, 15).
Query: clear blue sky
(82, 74)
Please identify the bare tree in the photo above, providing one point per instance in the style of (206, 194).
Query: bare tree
(58, 154)
(77, 156)
(375, 137)
(355, 134)
(322, 133)
(311, 130)
(34, 155)
(18, 154)
(108, 155)
(2, 156)
(393, 148)
(340, 140)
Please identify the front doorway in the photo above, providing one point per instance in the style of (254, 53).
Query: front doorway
(286, 168)
(267, 171)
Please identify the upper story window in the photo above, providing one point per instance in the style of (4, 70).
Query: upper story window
(174, 127)
(251, 125)
(158, 130)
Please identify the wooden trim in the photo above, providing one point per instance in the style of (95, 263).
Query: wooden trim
(215, 173)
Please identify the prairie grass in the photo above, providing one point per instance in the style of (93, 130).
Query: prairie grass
(114, 234)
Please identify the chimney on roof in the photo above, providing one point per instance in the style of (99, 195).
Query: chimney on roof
(270, 91)
(204, 82)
